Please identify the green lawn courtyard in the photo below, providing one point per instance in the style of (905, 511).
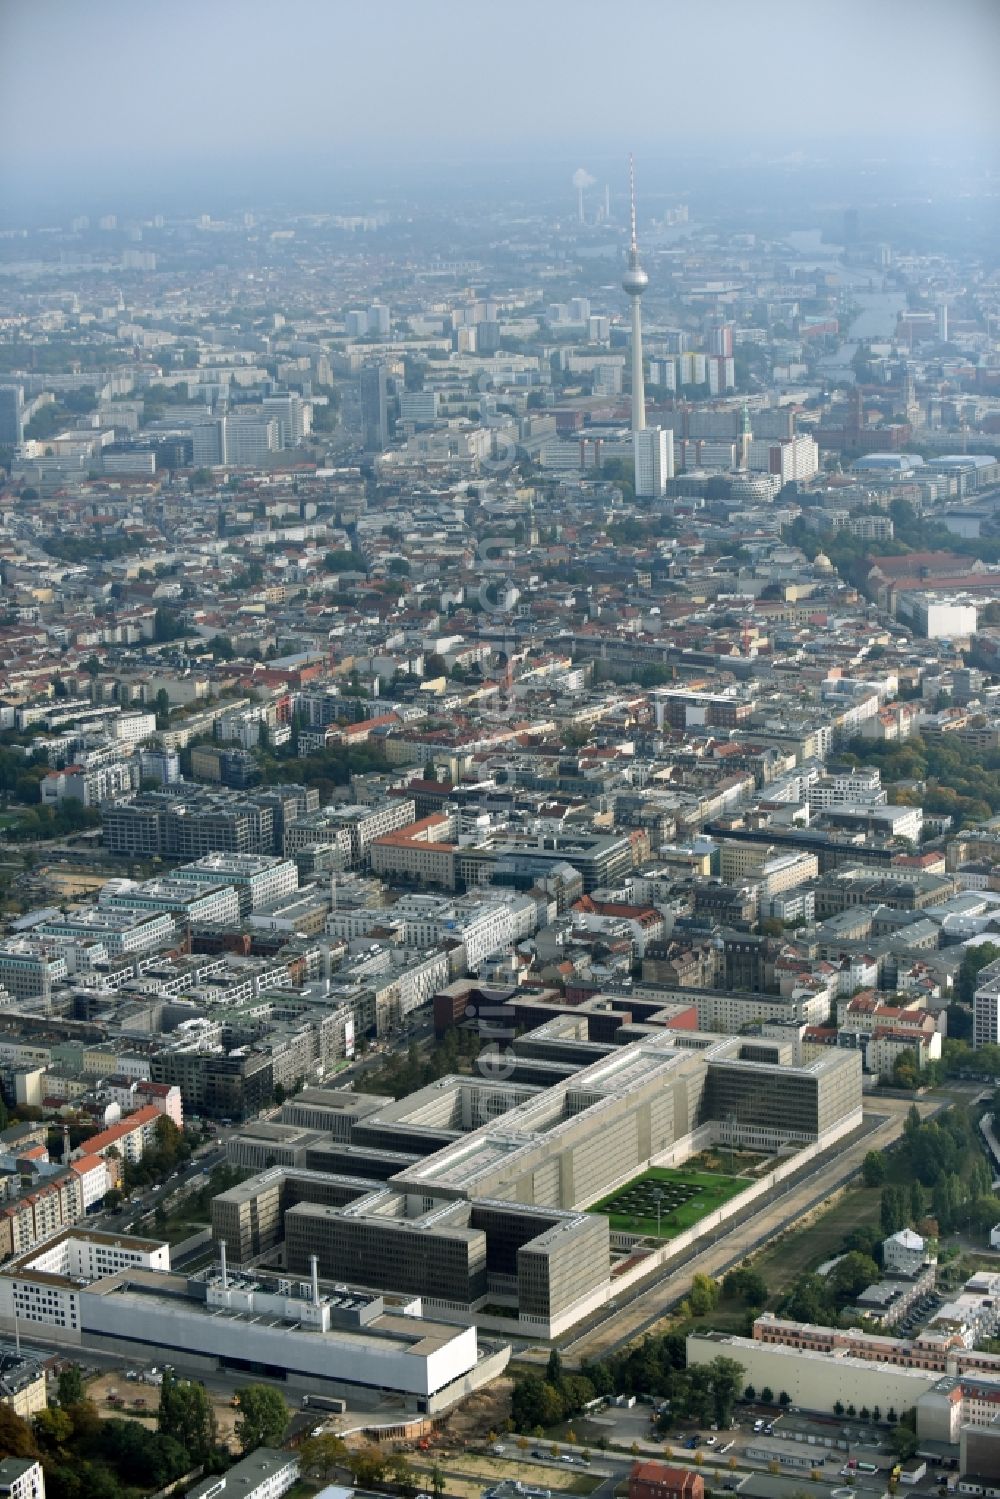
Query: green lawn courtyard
(683, 1197)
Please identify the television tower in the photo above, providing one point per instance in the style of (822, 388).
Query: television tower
(634, 283)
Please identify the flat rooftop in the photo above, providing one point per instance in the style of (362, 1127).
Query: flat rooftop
(171, 1293)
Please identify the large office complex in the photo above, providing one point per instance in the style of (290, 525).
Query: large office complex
(476, 1190)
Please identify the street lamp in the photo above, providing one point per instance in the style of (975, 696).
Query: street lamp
(658, 1198)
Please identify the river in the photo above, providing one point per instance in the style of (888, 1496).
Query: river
(878, 309)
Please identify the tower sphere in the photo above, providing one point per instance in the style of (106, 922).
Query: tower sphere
(635, 281)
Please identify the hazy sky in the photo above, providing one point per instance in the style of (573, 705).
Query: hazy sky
(112, 86)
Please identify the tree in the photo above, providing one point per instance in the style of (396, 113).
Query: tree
(747, 1285)
(70, 1385)
(263, 1417)
(553, 1369)
(809, 1300)
(975, 959)
(851, 1275)
(704, 1294)
(918, 1201)
(873, 1169)
(140, 1458)
(749, 1394)
(186, 1414)
(161, 705)
(54, 1428)
(325, 1454)
(399, 1472)
(344, 562)
(535, 1403)
(906, 1069)
(437, 1480)
(767, 1395)
(112, 1200)
(903, 1442)
(726, 1377)
(166, 625)
(893, 1210)
(368, 1465)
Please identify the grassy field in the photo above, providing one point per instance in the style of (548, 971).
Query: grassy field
(804, 1248)
(686, 1196)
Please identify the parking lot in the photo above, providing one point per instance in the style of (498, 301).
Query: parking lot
(920, 1314)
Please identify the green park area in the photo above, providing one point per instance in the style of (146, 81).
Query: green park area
(666, 1202)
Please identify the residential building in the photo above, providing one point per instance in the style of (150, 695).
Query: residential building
(265, 1473)
(22, 1477)
(374, 408)
(656, 1480)
(653, 452)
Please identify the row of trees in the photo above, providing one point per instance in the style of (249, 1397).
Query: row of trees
(35, 823)
(369, 1466)
(86, 1457)
(403, 1073)
(655, 1367)
(327, 770)
(173, 1148)
(939, 1172)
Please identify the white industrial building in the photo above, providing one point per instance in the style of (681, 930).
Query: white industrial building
(43, 1288)
(815, 1379)
(119, 1295)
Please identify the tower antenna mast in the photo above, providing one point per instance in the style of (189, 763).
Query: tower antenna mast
(634, 283)
(634, 247)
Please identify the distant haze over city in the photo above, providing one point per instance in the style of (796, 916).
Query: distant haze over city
(175, 100)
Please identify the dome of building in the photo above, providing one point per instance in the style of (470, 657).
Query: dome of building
(822, 563)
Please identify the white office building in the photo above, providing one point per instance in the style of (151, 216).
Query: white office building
(793, 459)
(258, 879)
(293, 415)
(653, 448)
(986, 1008)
